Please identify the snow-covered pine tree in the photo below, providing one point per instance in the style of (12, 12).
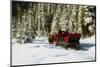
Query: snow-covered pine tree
(32, 19)
(64, 20)
(56, 20)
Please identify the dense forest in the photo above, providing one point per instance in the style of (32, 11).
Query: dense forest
(34, 19)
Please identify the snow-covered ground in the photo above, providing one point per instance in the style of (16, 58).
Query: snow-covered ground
(37, 53)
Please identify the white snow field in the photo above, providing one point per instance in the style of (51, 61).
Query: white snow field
(42, 53)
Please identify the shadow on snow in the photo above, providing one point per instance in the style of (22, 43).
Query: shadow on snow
(86, 46)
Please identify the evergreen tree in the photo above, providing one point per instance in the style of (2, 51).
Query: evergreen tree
(32, 19)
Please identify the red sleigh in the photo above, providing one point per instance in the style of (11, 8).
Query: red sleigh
(65, 39)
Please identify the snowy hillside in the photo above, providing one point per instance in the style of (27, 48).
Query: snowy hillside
(88, 40)
(23, 54)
